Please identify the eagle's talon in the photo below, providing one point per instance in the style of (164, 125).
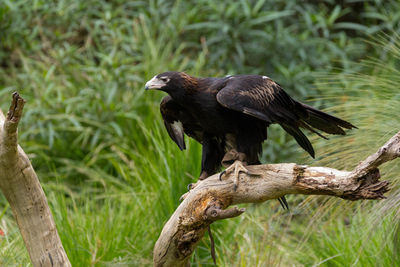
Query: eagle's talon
(237, 167)
(189, 186)
(221, 174)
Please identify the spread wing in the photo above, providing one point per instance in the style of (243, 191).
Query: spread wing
(179, 122)
(260, 97)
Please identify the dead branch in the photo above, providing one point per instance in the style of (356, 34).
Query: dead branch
(21, 187)
(210, 198)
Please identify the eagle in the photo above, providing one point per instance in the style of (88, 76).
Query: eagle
(230, 116)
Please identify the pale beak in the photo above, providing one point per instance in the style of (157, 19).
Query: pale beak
(154, 84)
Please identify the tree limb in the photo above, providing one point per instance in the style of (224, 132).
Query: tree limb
(208, 201)
(21, 187)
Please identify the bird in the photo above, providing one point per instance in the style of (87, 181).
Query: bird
(230, 116)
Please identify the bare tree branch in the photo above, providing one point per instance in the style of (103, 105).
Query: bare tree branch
(21, 187)
(209, 198)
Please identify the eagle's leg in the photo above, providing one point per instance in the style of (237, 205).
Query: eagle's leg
(230, 161)
(239, 163)
(210, 160)
(203, 175)
(212, 154)
(236, 168)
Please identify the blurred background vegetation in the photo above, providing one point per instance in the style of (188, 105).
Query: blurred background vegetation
(112, 175)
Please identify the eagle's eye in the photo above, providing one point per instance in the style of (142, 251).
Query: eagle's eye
(164, 79)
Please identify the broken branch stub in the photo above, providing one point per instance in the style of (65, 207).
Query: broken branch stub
(21, 187)
(209, 199)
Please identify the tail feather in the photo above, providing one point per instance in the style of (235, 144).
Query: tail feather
(325, 122)
(301, 139)
(313, 119)
(308, 127)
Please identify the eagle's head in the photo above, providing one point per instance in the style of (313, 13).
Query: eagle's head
(171, 82)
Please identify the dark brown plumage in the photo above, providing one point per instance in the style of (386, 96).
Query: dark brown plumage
(233, 113)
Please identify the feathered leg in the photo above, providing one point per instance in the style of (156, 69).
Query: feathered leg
(212, 154)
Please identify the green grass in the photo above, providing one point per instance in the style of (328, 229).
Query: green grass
(112, 175)
(341, 233)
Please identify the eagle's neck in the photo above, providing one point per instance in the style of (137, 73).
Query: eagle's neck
(190, 83)
(187, 90)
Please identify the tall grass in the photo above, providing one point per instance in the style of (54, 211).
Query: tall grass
(112, 175)
(341, 233)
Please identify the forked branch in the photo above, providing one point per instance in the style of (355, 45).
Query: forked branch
(209, 199)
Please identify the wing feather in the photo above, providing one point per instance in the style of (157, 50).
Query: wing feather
(259, 97)
(264, 99)
(178, 122)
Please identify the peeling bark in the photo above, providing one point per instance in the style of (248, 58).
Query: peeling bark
(209, 199)
(21, 187)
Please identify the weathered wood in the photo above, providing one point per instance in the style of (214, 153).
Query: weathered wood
(209, 198)
(21, 187)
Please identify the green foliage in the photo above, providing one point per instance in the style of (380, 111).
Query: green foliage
(362, 234)
(111, 173)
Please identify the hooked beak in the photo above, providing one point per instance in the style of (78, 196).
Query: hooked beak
(154, 83)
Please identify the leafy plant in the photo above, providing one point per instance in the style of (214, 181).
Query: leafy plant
(96, 139)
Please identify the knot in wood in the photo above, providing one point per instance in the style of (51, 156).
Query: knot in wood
(213, 213)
